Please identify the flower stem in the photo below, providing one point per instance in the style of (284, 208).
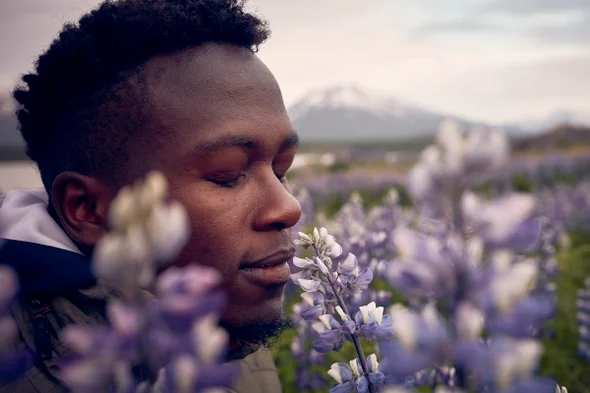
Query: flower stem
(357, 345)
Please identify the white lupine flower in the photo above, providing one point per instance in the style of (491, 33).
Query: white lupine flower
(518, 361)
(153, 190)
(431, 315)
(309, 285)
(342, 314)
(169, 230)
(355, 367)
(302, 262)
(528, 354)
(108, 255)
(419, 181)
(486, 149)
(334, 372)
(475, 249)
(405, 325)
(501, 260)
(512, 285)
(123, 319)
(371, 309)
(450, 136)
(372, 363)
(185, 369)
(323, 325)
(209, 338)
(504, 366)
(470, 321)
(122, 210)
(145, 230)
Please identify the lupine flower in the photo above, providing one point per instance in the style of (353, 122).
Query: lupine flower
(166, 341)
(336, 280)
(12, 364)
(373, 324)
(351, 378)
(331, 337)
(313, 305)
(461, 257)
(145, 230)
(583, 319)
(304, 358)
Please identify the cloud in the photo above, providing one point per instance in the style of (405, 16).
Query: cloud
(533, 7)
(456, 25)
(576, 32)
(546, 22)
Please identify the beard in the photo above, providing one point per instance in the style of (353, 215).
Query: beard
(251, 336)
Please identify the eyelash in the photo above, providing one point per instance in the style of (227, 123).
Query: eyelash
(234, 182)
(228, 183)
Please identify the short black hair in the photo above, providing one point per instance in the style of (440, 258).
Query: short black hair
(71, 108)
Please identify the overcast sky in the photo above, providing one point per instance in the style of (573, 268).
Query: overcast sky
(491, 60)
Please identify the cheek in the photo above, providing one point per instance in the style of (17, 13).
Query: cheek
(218, 231)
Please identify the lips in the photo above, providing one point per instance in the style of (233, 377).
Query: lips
(271, 270)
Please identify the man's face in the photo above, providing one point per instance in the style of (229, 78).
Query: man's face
(225, 143)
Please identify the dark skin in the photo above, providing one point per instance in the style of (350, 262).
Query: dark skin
(225, 142)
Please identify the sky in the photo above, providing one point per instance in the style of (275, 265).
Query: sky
(488, 60)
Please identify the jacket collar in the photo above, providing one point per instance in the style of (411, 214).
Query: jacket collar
(34, 245)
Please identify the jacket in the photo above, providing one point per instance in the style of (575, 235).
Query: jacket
(58, 288)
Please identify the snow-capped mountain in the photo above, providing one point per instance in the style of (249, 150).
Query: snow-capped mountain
(352, 113)
(350, 97)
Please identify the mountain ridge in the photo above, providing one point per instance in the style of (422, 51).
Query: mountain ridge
(348, 112)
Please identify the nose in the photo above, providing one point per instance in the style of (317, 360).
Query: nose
(278, 208)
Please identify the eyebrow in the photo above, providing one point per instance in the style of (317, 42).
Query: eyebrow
(245, 142)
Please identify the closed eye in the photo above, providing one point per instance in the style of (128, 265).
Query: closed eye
(227, 182)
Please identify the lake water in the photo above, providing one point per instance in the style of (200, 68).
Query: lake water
(20, 174)
(24, 174)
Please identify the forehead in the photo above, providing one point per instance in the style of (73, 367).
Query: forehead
(201, 92)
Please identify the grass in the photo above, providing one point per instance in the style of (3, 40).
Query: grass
(560, 360)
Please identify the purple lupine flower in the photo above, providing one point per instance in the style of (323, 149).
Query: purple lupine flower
(169, 342)
(460, 257)
(583, 319)
(313, 306)
(12, 364)
(351, 377)
(331, 334)
(335, 280)
(373, 324)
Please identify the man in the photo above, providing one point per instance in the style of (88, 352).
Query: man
(141, 85)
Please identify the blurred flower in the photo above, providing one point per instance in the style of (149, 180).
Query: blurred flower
(12, 364)
(146, 230)
(169, 342)
(583, 319)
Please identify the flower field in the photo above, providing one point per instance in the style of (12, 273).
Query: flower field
(477, 266)
(468, 272)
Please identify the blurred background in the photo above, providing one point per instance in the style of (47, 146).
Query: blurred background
(367, 83)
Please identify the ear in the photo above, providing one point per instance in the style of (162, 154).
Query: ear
(81, 203)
